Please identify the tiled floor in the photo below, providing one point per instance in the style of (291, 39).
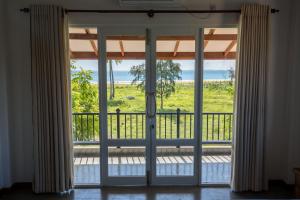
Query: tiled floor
(150, 193)
(215, 169)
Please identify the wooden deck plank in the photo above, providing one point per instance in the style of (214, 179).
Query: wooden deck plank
(77, 161)
(211, 159)
(96, 160)
(217, 158)
(83, 161)
(179, 159)
(136, 160)
(130, 160)
(142, 160)
(90, 161)
(215, 169)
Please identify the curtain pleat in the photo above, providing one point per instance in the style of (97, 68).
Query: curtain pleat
(249, 127)
(53, 168)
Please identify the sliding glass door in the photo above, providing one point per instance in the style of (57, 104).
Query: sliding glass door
(175, 138)
(159, 101)
(123, 106)
(149, 118)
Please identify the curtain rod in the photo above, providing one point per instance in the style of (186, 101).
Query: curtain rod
(150, 13)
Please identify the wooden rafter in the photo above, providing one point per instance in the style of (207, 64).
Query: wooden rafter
(176, 47)
(81, 36)
(211, 32)
(121, 47)
(229, 48)
(159, 55)
(92, 43)
(70, 52)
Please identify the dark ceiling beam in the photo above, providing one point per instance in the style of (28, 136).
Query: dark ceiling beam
(160, 55)
(82, 36)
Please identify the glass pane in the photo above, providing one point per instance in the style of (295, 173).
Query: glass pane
(126, 161)
(218, 100)
(85, 107)
(175, 72)
(175, 161)
(126, 117)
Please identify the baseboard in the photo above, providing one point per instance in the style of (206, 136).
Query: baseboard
(16, 186)
(281, 183)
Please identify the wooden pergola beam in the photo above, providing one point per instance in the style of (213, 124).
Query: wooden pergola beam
(91, 36)
(176, 47)
(229, 48)
(211, 32)
(159, 55)
(92, 43)
(121, 47)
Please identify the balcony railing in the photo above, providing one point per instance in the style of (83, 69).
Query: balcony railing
(216, 127)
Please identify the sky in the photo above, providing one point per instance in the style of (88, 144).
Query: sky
(125, 65)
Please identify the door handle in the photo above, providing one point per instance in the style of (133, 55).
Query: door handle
(152, 111)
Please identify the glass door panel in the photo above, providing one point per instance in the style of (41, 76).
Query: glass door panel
(218, 102)
(85, 107)
(125, 135)
(149, 116)
(175, 140)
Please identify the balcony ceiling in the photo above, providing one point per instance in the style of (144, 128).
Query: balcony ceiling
(219, 44)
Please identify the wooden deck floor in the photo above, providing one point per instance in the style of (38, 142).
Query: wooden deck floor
(215, 168)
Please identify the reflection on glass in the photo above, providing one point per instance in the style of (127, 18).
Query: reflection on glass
(126, 161)
(126, 118)
(218, 99)
(175, 161)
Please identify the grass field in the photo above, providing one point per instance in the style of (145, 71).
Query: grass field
(217, 97)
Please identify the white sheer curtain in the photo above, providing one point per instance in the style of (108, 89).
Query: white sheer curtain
(249, 131)
(53, 169)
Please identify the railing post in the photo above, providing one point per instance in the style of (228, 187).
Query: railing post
(118, 123)
(178, 123)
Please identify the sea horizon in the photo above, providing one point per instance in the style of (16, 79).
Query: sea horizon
(186, 76)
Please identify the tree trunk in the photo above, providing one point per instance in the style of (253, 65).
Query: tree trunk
(111, 92)
(161, 95)
(113, 82)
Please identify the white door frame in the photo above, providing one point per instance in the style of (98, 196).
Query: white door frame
(150, 142)
(107, 180)
(197, 140)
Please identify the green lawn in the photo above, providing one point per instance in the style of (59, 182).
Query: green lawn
(217, 97)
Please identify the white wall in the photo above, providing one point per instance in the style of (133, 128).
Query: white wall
(4, 138)
(294, 91)
(277, 123)
(19, 98)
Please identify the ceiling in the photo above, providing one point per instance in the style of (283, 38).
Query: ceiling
(219, 44)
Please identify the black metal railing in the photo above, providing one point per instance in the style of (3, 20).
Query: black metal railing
(216, 127)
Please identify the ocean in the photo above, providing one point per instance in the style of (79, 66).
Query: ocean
(186, 75)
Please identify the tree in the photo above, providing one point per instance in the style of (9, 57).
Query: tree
(111, 79)
(84, 94)
(84, 99)
(166, 73)
(231, 74)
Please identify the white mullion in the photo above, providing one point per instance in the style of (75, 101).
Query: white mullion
(198, 104)
(150, 87)
(103, 106)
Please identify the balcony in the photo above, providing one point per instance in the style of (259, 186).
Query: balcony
(126, 161)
